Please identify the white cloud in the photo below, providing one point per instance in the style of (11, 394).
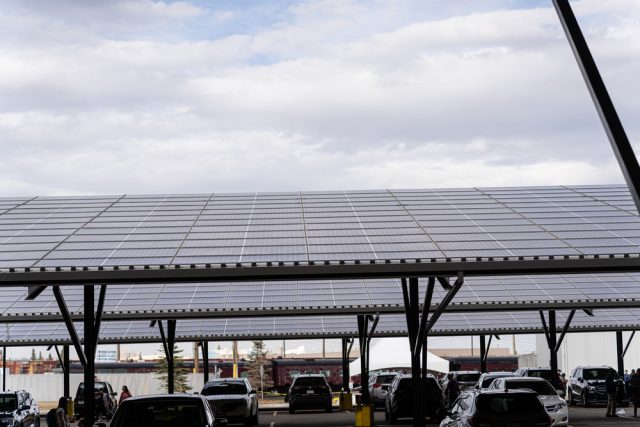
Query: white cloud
(332, 96)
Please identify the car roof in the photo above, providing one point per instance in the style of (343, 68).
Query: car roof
(226, 380)
(525, 379)
(309, 375)
(498, 374)
(539, 368)
(165, 396)
(464, 372)
(510, 391)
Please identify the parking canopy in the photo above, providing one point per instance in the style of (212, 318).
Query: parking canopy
(307, 235)
(305, 327)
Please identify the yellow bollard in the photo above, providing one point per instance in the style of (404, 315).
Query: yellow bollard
(346, 401)
(364, 415)
(70, 408)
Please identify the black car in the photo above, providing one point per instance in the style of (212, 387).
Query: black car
(399, 399)
(168, 410)
(587, 386)
(233, 399)
(522, 408)
(18, 409)
(309, 392)
(100, 386)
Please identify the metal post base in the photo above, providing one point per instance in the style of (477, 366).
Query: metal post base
(346, 401)
(364, 415)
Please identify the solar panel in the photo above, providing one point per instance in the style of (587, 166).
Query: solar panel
(452, 324)
(128, 230)
(235, 299)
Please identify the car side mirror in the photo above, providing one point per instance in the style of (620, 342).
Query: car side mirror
(253, 392)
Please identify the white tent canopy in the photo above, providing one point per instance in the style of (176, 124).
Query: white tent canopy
(389, 353)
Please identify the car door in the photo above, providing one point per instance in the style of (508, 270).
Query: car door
(576, 387)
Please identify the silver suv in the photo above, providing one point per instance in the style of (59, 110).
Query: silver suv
(19, 409)
(379, 384)
(233, 399)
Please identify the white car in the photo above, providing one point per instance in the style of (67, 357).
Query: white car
(555, 405)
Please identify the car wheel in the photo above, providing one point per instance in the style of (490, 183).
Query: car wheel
(255, 418)
(585, 400)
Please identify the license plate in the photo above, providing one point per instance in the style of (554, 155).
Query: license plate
(310, 392)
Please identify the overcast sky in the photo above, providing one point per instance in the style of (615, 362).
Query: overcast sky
(144, 96)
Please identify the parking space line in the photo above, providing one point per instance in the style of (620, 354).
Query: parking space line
(273, 423)
(275, 413)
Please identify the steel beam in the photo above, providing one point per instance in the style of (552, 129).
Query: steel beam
(66, 369)
(619, 354)
(34, 291)
(565, 328)
(604, 105)
(626, 347)
(171, 342)
(483, 354)
(553, 355)
(422, 330)
(4, 368)
(99, 310)
(363, 325)
(73, 334)
(205, 360)
(489, 266)
(446, 301)
(89, 353)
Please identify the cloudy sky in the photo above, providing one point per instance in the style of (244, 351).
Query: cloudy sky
(141, 96)
(152, 97)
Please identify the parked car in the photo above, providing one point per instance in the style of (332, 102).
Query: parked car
(587, 386)
(554, 404)
(546, 373)
(399, 399)
(466, 379)
(102, 386)
(19, 409)
(233, 399)
(309, 391)
(379, 384)
(487, 378)
(167, 410)
(497, 408)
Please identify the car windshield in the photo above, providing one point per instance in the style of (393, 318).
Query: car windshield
(219, 388)
(508, 404)
(8, 403)
(541, 373)
(173, 412)
(97, 387)
(385, 379)
(598, 374)
(541, 387)
(486, 381)
(468, 378)
(309, 382)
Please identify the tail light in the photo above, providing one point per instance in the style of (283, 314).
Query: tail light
(377, 385)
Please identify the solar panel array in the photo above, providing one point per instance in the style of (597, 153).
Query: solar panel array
(319, 326)
(242, 298)
(168, 230)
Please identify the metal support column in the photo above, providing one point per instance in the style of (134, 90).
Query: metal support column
(620, 353)
(66, 365)
(608, 115)
(345, 366)
(553, 352)
(4, 368)
(483, 354)
(363, 326)
(89, 353)
(205, 360)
